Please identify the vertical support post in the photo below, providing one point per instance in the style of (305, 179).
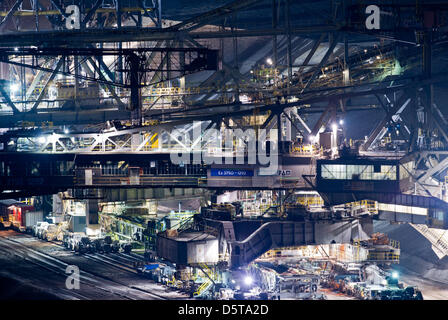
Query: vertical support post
(159, 13)
(427, 65)
(274, 37)
(23, 83)
(36, 13)
(134, 75)
(289, 54)
(289, 63)
(279, 127)
(92, 211)
(120, 44)
(76, 66)
(235, 59)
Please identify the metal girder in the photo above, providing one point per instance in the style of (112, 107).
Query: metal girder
(35, 81)
(217, 76)
(63, 37)
(114, 141)
(302, 122)
(64, 118)
(211, 15)
(434, 170)
(160, 67)
(50, 79)
(311, 53)
(145, 13)
(57, 6)
(306, 101)
(198, 59)
(11, 11)
(108, 86)
(380, 130)
(331, 47)
(266, 122)
(436, 108)
(8, 100)
(321, 121)
(440, 126)
(91, 12)
(204, 133)
(36, 67)
(393, 117)
(269, 125)
(293, 123)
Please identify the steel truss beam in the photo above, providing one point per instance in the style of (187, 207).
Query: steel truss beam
(392, 114)
(58, 38)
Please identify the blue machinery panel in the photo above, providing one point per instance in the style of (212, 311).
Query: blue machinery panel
(231, 173)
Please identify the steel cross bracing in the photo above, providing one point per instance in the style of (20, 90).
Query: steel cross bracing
(112, 14)
(101, 78)
(93, 14)
(161, 138)
(270, 93)
(141, 64)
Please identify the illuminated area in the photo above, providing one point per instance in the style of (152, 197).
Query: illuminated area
(223, 150)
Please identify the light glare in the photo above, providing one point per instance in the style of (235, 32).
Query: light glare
(248, 280)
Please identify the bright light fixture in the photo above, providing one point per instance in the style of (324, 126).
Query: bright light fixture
(14, 87)
(66, 131)
(334, 127)
(395, 275)
(248, 280)
(41, 139)
(341, 122)
(269, 61)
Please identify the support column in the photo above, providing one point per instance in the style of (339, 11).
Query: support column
(274, 38)
(92, 212)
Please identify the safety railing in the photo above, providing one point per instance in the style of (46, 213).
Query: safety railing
(210, 277)
(314, 201)
(379, 256)
(436, 237)
(141, 180)
(370, 205)
(304, 149)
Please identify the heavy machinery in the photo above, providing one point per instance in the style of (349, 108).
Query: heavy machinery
(81, 243)
(50, 233)
(225, 211)
(37, 228)
(24, 218)
(41, 230)
(70, 240)
(85, 245)
(408, 293)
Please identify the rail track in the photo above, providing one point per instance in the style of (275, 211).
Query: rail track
(90, 278)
